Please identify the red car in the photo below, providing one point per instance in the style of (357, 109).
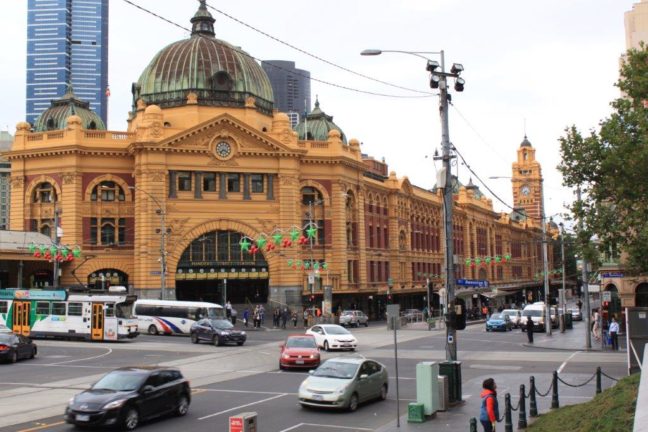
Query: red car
(299, 351)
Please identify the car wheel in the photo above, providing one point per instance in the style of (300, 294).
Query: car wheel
(152, 330)
(281, 367)
(33, 353)
(131, 419)
(239, 343)
(183, 406)
(14, 357)
(217, 341)
(194, 338)
(383, 392)
(326, 346)
(367, 324)
(487, 329)
(353, 402)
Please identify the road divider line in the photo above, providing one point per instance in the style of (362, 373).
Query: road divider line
(37, 428)
(562, 366)
(337, 427)
(86, 358)
(243, 406)
(292, 427)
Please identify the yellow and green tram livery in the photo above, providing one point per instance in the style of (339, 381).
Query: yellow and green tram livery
(60, 314)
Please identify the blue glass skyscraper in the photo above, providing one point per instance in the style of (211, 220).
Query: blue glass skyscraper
(67, 43)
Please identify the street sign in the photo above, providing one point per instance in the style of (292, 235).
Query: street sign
(612, 275)
(311, 278)
(473, 283)
(607, 296)
(390, 282)
(393, 309)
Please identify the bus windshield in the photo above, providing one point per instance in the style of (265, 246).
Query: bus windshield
(124, 310)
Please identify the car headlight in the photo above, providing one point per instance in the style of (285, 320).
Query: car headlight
(340, 391)
(225, 333)
(313, 356)
(115, 404)
(243, 333)
(286, 356)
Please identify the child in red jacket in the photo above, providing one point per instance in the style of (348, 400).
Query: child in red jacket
(489, 412)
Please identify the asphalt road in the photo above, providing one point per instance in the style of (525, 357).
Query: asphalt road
(229, 380)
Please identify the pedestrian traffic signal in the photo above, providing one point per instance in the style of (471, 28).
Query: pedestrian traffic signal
(460, 320)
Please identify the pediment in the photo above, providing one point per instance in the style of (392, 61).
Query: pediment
(243, 139)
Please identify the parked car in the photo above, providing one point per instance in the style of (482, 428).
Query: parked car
(14, 347)
(354, 318)
(333, 336)
(514, 315)
(344, 382)
(576, 314)
(299, 351)
(499, 321)
(217, 331)
(126, 396)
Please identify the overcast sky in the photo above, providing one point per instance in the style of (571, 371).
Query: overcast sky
(547, 64)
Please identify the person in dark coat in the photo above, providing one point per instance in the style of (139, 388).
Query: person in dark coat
(284, 317)
(529, 328)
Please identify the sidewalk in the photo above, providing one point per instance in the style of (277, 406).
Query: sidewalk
(572, 340)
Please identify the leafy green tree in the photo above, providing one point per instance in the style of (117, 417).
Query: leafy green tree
(610, 165)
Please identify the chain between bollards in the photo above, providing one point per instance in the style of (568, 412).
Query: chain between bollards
(522, 421)
(533, 406)
(508, 420)
(554, 395)
(598, 380)
(473, 424)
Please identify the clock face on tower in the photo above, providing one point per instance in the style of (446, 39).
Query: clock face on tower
(223, 149)
(525, 190)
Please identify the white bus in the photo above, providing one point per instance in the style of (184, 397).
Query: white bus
(173, 316)
(59, 313)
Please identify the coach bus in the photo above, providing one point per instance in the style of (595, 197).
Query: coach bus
(173, 316)
(89, 315)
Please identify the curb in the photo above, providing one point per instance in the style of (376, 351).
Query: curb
(528, 345)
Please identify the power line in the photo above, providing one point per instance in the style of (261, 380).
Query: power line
(340, 86)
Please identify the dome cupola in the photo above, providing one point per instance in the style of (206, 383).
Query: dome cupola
(56, 116)
(317, 125)
(217, 73)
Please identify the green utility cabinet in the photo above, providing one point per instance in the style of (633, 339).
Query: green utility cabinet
(452, 369)
(427, 386)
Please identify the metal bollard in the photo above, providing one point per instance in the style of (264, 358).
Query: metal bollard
(522, 421)
(554, 392)
(598, 380)
(473, 424)
(508, 417)
(533, 406)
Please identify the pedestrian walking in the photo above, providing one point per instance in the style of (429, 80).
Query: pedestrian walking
(579, 303)
(305, 318)
(614, 334)
(228, 310)
(246, 317)
(294, 319)
(596, 327)
(275, 318)
(529, 328)
(284, 318)
(489, 412)
(234, 314)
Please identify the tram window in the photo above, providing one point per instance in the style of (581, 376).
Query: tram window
(75, 309)
(42, 308)
(110, 310)
(3, 307)
(58, 308)
(124, 310)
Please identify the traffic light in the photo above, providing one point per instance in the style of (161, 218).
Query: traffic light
(460, 321)
(389, 298)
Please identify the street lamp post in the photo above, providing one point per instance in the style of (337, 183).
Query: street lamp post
(163, 233)
(439, 80)
(562, 257)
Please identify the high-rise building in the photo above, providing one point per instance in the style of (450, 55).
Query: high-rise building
(636, 24)
(5, 174)
(67, 43)
(291, 88)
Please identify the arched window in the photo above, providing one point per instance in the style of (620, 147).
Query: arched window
(107, 232)
(92, 125)
(44, 193)
(45, 229)
(50, 124)
(107, 191)
(402, 240)
(310, 195)
(313, 211)
(641, 295)
(222, 81)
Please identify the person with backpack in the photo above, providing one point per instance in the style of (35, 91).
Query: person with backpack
(489, 412)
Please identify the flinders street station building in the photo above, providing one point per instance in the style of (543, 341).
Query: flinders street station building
(210, 190)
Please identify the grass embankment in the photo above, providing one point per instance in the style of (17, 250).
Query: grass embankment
(611, 411)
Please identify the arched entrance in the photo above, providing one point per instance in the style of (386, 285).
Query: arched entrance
(213, 268)
(641, 295)
(613, 307)
(105, 278)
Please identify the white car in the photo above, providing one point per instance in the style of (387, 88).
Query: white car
(333, 336)
(514, 315)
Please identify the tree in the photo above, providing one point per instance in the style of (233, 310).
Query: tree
(610, 165)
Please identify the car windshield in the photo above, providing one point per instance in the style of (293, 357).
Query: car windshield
(301, 342)
(347, 313)
(6, 338)
(497, 316)
(222, 324)
(340, 370)
(532, 312)
(336, 330)
(120, 381)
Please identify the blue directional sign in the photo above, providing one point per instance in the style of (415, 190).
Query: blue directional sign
(473, 283)
(612, 275)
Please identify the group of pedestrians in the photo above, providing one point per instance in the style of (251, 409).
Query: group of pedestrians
(608, 332)
(281, 317)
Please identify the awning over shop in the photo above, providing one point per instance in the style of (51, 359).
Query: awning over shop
(17, 242)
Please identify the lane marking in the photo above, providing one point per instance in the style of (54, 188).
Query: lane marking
(292, 427)
(337, 427)
(562, 366)
(247, 391)
(37, 428)
(86, 358)
(496, 367)
(242, 406)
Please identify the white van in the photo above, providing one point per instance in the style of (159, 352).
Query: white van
(537, 312)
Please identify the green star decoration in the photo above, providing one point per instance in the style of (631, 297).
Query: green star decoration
(294, 234)
(316, 266)
(261, 242)
(311, 232)
(498, 259)
(468, 261)
(290, 262)
(245, 245)
(324, 266)
(277, 238)
(306, 265)
(76, 252)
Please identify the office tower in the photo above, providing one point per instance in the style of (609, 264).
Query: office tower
(67, 43)
(291, 88)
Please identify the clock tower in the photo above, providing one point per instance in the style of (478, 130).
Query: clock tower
(527, 181)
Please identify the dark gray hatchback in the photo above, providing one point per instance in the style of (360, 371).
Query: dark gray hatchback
(218, 332)
(126, 396)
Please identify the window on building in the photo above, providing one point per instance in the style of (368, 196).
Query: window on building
(257, 183)
(233, 183)
(184, 181)
(209, 182)
(108, 232)
(44, 193)
(93, 231)
(107, 191)
(122, 231)
(311, 195)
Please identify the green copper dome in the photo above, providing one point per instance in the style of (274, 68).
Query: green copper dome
(218, 73)
(55, 117)
(317, 125)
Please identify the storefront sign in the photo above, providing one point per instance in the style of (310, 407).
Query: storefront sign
(10, 294)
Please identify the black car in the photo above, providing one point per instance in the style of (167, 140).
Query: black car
(216, 331)
(14, 347)
(126, 396)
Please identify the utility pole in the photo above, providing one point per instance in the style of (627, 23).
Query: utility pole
(588, 324)
(545, 264)
(562, 294)
(163, 252)
(57, 240)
